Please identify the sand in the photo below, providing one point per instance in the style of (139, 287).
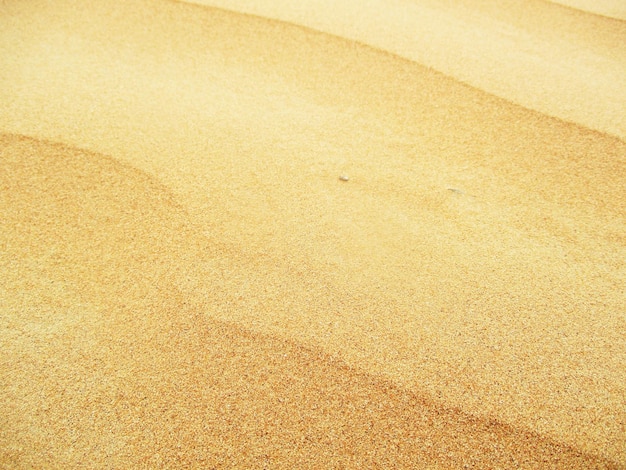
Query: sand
(189, 282)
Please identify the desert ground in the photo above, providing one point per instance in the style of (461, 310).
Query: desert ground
(276, 234)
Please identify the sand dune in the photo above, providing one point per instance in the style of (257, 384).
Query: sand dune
(189, 283)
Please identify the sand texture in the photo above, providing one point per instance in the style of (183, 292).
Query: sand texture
(245, 234)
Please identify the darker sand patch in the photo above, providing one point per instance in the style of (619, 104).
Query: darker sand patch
(110, 358)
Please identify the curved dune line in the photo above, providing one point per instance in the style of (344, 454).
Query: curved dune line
(108, 358)
(474, 256)
(609, 8)
(559, 61)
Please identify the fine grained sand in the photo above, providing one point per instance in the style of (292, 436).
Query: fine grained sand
(188, 282)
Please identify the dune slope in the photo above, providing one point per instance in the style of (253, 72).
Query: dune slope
(109, 358)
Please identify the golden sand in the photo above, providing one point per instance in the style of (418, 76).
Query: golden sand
(189, 282)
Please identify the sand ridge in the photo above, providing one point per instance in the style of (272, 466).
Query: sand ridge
(473, 259)
(560, 61)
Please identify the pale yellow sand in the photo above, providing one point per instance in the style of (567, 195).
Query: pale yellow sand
(197, 287)
(562, 62)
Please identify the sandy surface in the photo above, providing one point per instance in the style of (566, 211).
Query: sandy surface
(187, 282)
